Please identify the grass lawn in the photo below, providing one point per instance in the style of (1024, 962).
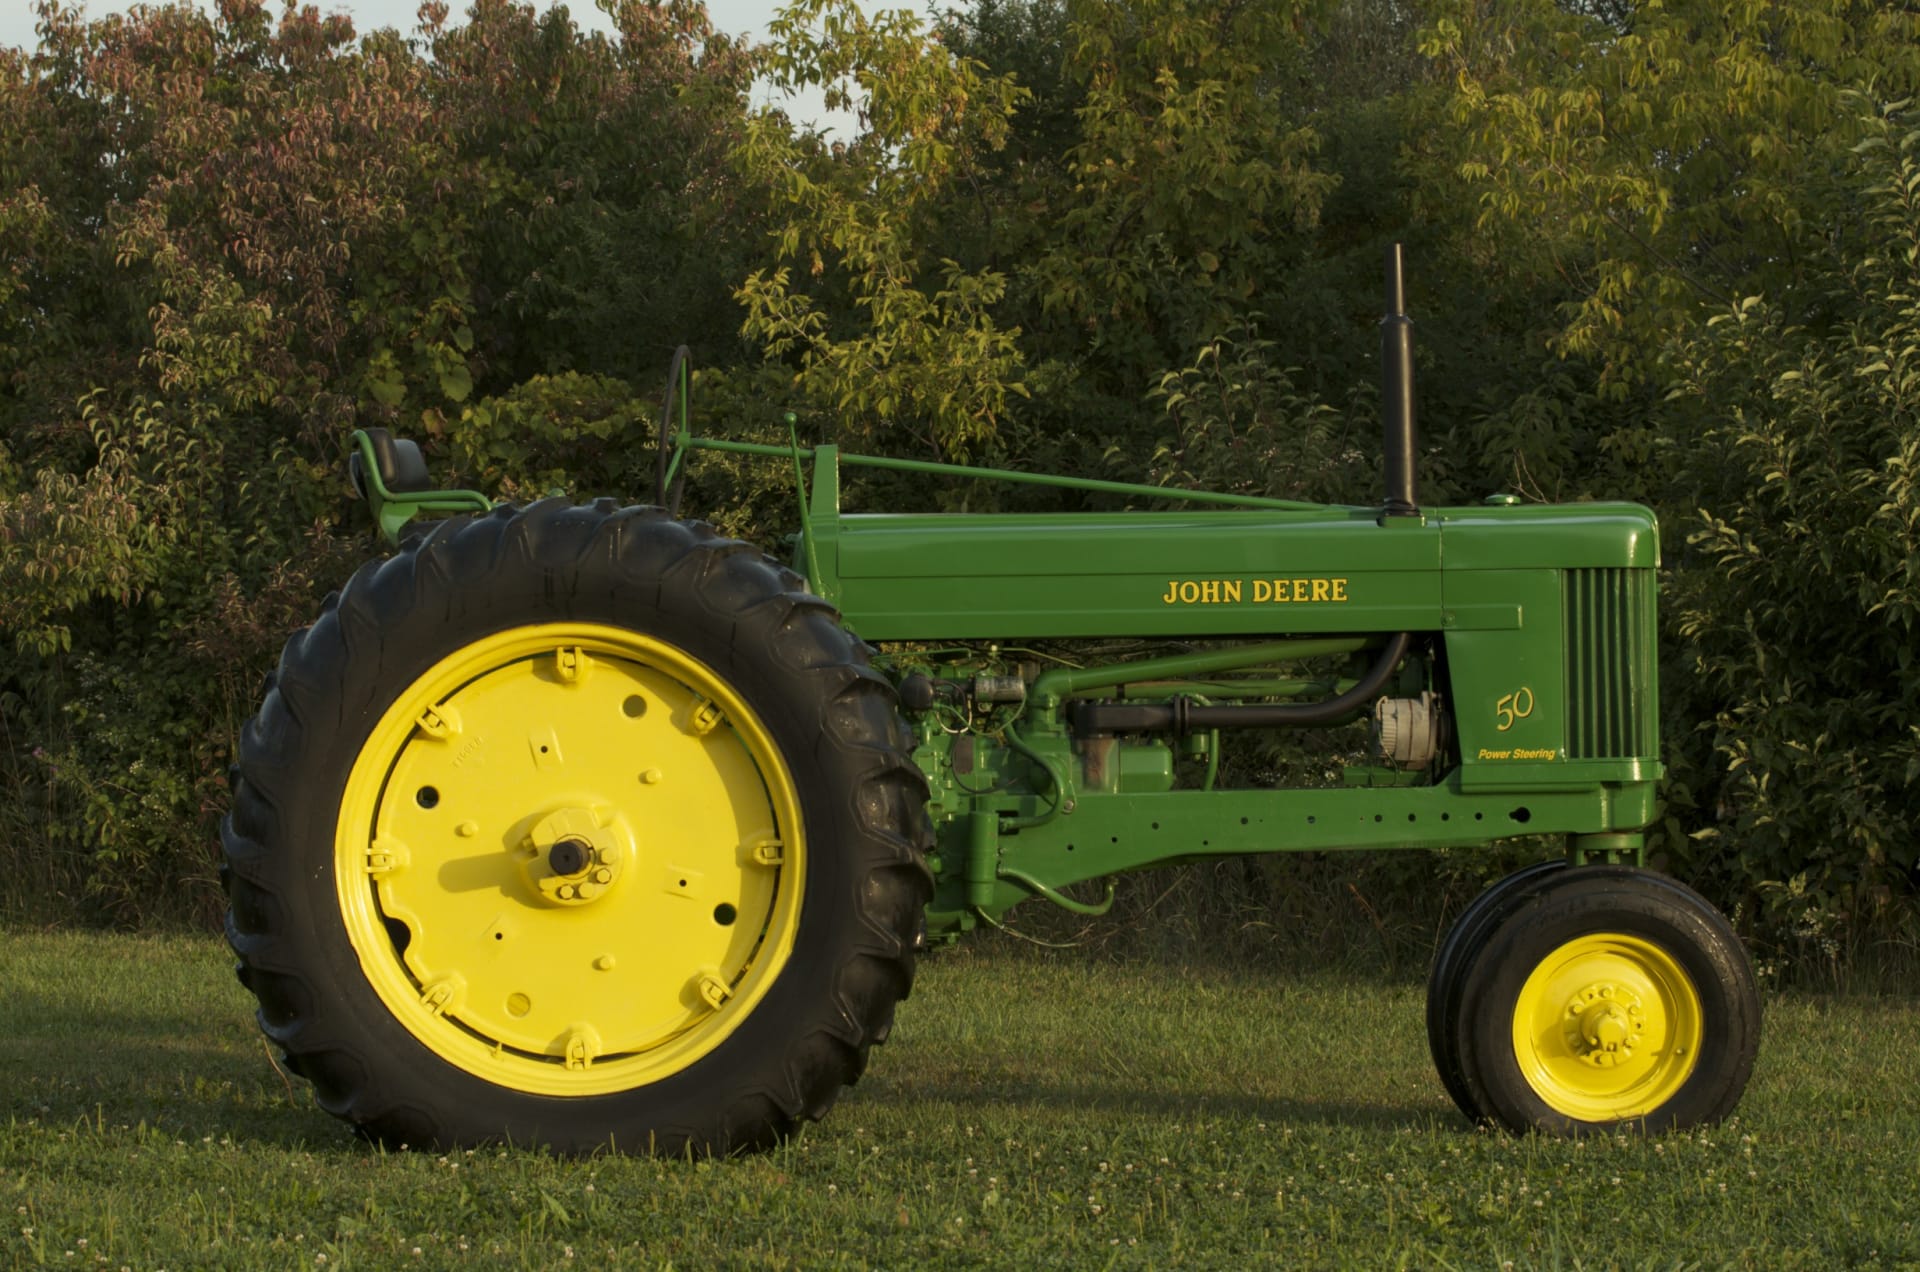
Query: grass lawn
(1032, 1110)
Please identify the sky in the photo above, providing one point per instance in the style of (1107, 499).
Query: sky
(747, 17)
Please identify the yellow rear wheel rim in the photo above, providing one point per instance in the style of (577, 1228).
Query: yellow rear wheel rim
(1607, 1028)
(570, 859)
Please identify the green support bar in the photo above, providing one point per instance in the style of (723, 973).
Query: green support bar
(1011, 475)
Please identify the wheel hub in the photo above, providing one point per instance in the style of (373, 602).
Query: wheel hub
(576, 856)
(1604, 1023)
(570, 857)
(1607, 1027)
(495, 817)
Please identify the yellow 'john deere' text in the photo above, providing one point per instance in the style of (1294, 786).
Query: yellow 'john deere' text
(1259, 592)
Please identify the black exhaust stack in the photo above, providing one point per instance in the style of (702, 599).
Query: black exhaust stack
(1396, 391)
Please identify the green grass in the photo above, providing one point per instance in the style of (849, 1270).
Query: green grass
(1031, 1111)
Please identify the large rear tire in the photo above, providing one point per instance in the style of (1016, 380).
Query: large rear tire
(581, 827)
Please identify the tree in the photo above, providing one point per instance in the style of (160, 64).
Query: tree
(1667, 159)
(231, 241)
(1725, 195)
(1800, 621)
(884, 330)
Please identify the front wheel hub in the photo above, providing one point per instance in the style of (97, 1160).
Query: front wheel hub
(1605, 1021)
(1607, 1027)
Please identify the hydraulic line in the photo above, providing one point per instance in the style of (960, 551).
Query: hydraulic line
(1183, 716)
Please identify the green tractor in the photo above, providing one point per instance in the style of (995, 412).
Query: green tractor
(585, 826)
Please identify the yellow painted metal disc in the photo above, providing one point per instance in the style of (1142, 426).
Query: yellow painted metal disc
(1607, 1028)
(570, 859)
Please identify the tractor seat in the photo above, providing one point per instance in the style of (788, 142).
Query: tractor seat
(403, 469)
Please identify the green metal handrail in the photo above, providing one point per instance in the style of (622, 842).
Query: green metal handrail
(1011, 475)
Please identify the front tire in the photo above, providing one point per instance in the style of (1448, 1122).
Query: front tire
(1445, 982)
(1608, 997)
(581, 827)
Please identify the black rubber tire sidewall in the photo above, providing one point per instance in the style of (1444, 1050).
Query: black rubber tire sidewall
(1592, 900)
(1457, 952)
(729, 607)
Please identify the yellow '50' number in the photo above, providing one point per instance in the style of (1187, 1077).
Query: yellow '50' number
(1517, 705)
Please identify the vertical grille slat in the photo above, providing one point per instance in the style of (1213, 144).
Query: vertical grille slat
(1610, 672)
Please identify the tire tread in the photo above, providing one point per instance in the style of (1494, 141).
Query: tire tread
(604, 563)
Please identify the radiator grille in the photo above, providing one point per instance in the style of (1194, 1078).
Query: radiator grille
(1611, 665)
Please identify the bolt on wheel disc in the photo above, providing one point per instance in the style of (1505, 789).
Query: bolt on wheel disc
(568, 858)
(1607, 1028)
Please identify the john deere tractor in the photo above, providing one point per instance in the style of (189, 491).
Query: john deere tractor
(585, 826)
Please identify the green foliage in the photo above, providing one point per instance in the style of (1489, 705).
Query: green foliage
(1661, 251)
(1801, 617)
(1666, 158)
(1153, 196)
(1187, 169)
(230, 240)
(566, 434)
(1240, 423)
(604, 224)
(749, 497)
(893, 334)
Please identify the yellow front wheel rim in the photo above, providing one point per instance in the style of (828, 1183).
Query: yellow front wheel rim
(570, 859)
(1607, 1028)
